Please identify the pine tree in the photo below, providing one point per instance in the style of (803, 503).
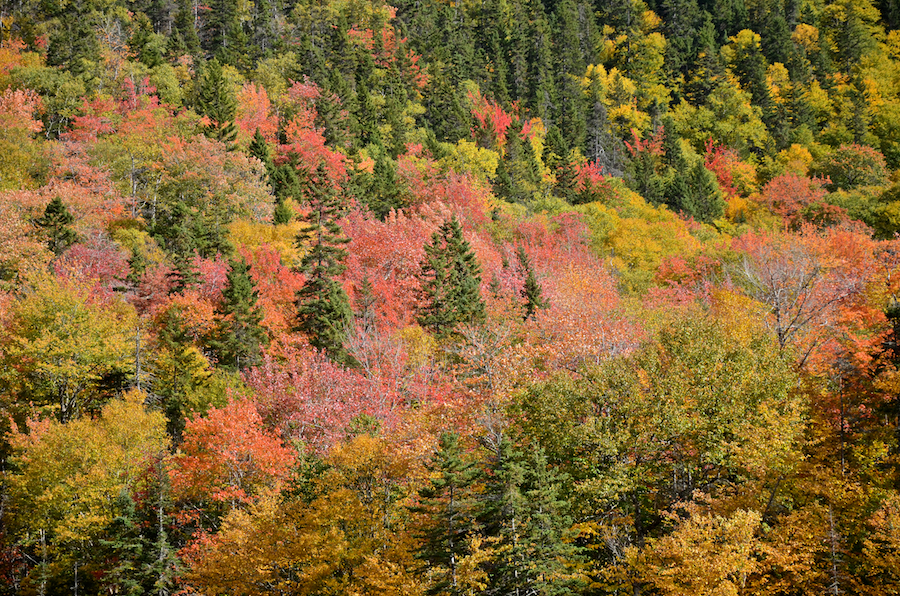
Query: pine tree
(449, 504)
(323, 307)
(238, 337)
(56, 223)
(450, 281)
(216, 101)
(531, 289)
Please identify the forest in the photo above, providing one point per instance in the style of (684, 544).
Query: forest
(450, 297)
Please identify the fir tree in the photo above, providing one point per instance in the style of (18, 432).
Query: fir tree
(184, 39)
(216, 101)
(56, 223)
(259, 149)
(180, 240)
(531, 289)
(449, 504)
(546, 542)
(450, 281)
(238, 337)
(323, 307)
(122, 549)
(384, 193)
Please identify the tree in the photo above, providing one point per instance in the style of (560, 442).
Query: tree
(852, 166)
(531, 290)
(63, 348)
(239, 337)
(450, 281)
(56, 223)
(323, 307)
(216, 101)
(64, 494)
(229, 458)
(448, 502)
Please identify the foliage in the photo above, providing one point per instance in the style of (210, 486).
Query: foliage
(450, 281)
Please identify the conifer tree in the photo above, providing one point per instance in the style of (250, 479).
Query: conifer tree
(181, 243)
(184, 38)
(216, 101)
(546, 541)
(56, 223)
(122, 549)
(323, 307)
(449, 504)
(384, 192)
(450, 279)
(259, 149)
(238, 337)
(531, 289)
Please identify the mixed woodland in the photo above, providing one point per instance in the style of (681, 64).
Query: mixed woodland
(458, 297)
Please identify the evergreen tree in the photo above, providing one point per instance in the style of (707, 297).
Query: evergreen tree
(449, 505)
(450, 281)
(259, 149)
(238, 337)
(56, 223)
(323, 307)
(184, 38)
(122, 551)
(216, 101)
(570, 68)
(547, 539)
(73, 41)
(180, 241)
(524, 517)
(531, 289)
(384, 193)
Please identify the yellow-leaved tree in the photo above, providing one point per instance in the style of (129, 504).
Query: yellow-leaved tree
(64, 349)
(66, 483)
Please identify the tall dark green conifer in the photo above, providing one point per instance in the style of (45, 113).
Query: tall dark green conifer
(239, 337)
(450, 281)
(323, 307)
(56, 223)
(531, 290)
(448, 502)
(216, 101)
(384, 192)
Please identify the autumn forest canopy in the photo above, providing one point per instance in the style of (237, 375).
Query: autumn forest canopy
(456, 297)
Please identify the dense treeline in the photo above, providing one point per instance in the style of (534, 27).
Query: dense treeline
(469, 297)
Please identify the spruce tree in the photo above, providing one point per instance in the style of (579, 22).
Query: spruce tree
(122, 550)
(449, 503)
(216, 102)
(450, 281)
(384, 193)
(180, 241)
(546, 541)
(531, 289)
(259, 149)
(184, 38)
(239, 337)
(56, 223)
(323, 307)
